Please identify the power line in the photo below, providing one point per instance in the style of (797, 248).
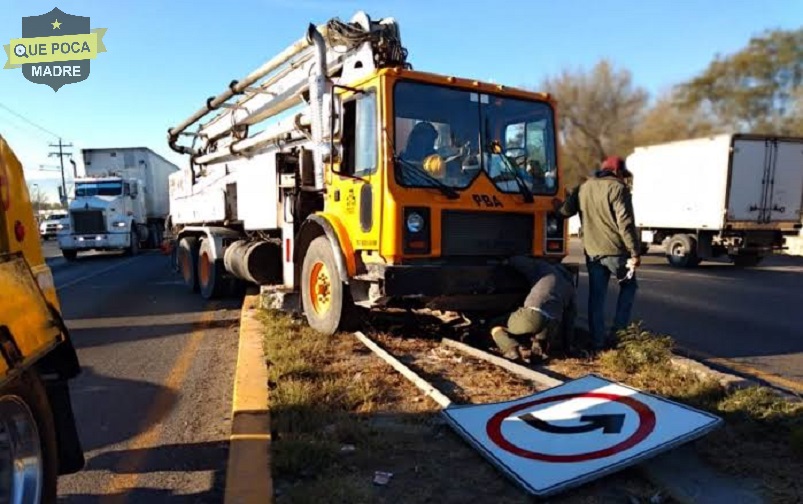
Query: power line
(29, 121)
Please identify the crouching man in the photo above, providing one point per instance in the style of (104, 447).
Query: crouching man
(548, 314)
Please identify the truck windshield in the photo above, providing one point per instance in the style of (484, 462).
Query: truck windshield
(98, 189)
(507, 138)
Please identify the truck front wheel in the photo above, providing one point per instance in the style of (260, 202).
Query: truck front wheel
(325, 299)
(70, 255)
(28, 447)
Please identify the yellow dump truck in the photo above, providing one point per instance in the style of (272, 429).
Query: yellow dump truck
(38, 437)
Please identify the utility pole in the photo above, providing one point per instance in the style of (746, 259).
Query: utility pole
(61, 155)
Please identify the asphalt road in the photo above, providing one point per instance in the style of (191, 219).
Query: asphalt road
(746, 319)
(153, 401)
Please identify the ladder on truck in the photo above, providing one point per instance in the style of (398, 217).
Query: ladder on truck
(303, 75)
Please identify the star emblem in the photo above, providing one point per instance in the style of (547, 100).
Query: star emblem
(56, 25)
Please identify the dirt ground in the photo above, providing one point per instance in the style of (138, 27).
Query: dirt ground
(340, 414)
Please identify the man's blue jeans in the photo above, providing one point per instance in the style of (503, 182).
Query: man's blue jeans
(599, 274)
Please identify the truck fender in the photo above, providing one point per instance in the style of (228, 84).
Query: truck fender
(322, 224)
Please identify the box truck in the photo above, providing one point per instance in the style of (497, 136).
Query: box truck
(735, 195)
(120, 204)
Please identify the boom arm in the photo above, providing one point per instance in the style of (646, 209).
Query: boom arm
(328, 54)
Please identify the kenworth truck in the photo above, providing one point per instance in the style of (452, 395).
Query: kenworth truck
(120, 204)
(372, 184)
(38, 436)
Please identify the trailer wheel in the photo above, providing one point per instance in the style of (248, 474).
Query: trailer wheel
(325, 299)
(211, 279)
(681, 251)
(188, 261)
(28, 447)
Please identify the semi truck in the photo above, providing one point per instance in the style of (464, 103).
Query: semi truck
(120, 203)
(734, 195)
(38, 436)
(337, 175)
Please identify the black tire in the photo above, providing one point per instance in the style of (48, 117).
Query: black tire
(133, 247)
(212, 281)
(70, 255)
(681, 251)
(188, 261)
(746, 260)
(29, 389)
(320, 261)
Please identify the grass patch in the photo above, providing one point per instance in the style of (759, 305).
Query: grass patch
(339, 413)
(763, 433)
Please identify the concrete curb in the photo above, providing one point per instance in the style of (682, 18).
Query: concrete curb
(248, 475)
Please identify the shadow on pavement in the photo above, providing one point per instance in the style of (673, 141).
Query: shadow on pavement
(88, 338)
(110, 410)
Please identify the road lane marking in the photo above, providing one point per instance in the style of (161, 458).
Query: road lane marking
(126, 474)
(96, 273)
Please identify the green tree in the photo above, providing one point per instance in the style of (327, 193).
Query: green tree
(755, 89)
(667, 121)
(598, 111)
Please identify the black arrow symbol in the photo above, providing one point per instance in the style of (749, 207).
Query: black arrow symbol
(610, 424)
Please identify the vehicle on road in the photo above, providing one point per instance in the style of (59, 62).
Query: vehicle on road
(54, 224)
(38, 436)
(372, 184)
(732, 195)
(120, 204)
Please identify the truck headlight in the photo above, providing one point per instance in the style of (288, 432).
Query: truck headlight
(61, 227)
(119, 224)
(552, 225)
(415, 222)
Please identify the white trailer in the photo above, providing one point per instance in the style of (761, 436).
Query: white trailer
(733, 194)
(121, 202)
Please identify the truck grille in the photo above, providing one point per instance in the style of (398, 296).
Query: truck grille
(88, 222)
(485, 233)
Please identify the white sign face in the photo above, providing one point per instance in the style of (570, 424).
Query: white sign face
(575, 432)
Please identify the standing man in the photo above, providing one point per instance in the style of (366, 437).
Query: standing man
(610, 242)
(547, 315)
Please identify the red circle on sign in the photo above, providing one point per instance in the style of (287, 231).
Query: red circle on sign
(646, 425)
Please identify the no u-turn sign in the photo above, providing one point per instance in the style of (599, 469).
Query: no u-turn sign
(578, 431)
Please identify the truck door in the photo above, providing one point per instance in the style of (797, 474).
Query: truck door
(748, 164)
(787, 174)
(356, 192)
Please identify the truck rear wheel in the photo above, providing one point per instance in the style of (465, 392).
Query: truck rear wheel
(325, 299)
(681, 251)
(188, 261)
(211, 278)
(28, 447)
(746, 260)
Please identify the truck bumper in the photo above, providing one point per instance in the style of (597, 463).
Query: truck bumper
(487, 288)
(108, 241)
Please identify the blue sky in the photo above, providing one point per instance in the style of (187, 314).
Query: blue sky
(166, 57)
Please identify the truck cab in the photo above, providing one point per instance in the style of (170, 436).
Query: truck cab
(38, 436)
(104, 213)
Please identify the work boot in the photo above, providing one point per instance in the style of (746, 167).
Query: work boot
(538, 355)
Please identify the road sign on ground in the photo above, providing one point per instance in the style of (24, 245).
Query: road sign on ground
(575, 432)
